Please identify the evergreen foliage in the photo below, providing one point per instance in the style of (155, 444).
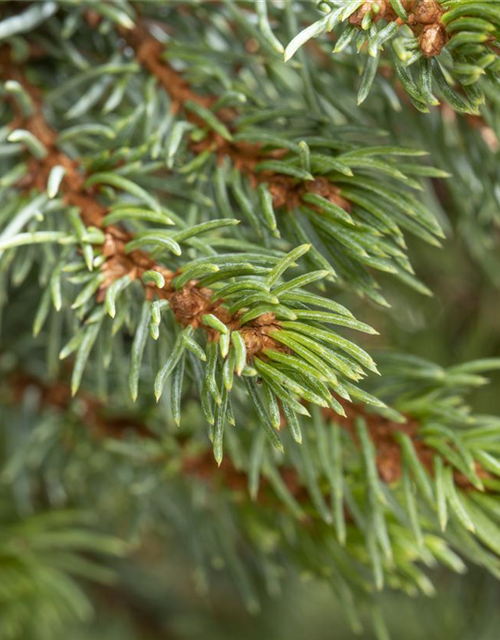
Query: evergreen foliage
(192, 200)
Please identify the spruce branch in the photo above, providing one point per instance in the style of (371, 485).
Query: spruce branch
(454, 45)
(385, 434)
(253, 313)
(323, 208)
(404, 497)
(323, 188)
(424, 18)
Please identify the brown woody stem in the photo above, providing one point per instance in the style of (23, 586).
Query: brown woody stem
(424, 19)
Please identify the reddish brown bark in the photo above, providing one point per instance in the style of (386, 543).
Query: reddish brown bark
(424, 19)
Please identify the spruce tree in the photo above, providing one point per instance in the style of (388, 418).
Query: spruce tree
(249, 270)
